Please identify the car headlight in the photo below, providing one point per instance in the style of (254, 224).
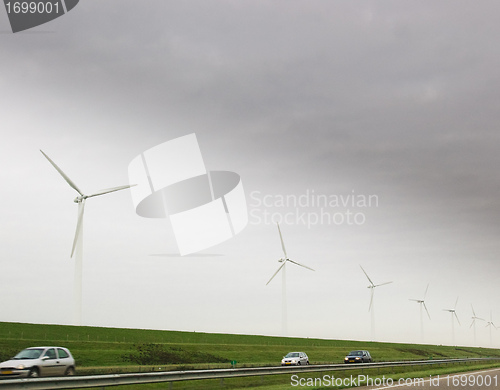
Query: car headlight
(20, 367)
(358, 358)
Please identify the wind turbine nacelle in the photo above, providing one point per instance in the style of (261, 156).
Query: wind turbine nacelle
(78, 199)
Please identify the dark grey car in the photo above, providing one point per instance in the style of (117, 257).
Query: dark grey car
(358, 356)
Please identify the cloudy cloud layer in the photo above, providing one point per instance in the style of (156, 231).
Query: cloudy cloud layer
(393, 99)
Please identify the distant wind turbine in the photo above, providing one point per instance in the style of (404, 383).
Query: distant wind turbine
(371, 309)
(78, 240)
(453, 316)
(473, 324)
(490, 324)
(282, 268)
(422, 305)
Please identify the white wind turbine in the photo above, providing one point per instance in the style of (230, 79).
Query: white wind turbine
(77, 248)
(371, 309)
(490, 324)
(453, 316)
(473, 324)
(282, 268)
(422, 305)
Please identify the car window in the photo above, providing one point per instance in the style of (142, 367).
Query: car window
(29, 354)
(62, 353)
(51, 353)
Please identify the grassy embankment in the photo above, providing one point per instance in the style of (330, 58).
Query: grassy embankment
(111, 350)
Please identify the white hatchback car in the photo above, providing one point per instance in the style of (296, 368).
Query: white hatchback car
(295, 359)
(39, 361)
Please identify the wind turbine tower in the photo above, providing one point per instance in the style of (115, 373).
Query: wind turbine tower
(490, 324)
(473, 324)
(422, 305)
(77, 248)
(282, 268)
(454, 316)
(371, 309)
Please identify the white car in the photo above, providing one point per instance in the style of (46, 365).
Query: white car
(39, 361)
(295, 359)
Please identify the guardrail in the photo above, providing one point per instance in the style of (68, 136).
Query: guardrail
(80, 382)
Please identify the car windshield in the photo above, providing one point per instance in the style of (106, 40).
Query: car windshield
(356, 353)
(29, 354)
(293, 354)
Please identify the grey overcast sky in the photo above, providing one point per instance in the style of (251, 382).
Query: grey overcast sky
(304, 99)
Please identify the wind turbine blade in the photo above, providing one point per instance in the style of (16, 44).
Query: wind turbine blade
(425, 294)
(81, 208)
(107, 191)
(473, 312)
(281, 266)
(367, 276)
(425, 307)
(382, 284)
(456, 304)
(414, 300)
(302, 265)
(472, 323)
(457, 318)
(68, 180)
(282, 243)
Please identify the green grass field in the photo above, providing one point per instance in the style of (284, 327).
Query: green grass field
(109, 350)
(107, 347)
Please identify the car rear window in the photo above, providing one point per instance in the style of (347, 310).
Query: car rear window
(62, 353)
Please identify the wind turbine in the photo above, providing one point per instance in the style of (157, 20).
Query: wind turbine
(473, 324)
(77, 248)
(372, 287)
(490, 324)
(453, 316)
(282, 268)
(422, 305)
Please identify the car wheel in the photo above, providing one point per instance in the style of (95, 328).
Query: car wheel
(298, 363)
(34, 373)
(69, 371)
(307, 363)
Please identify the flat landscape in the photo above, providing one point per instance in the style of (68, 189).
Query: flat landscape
(112, 350)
